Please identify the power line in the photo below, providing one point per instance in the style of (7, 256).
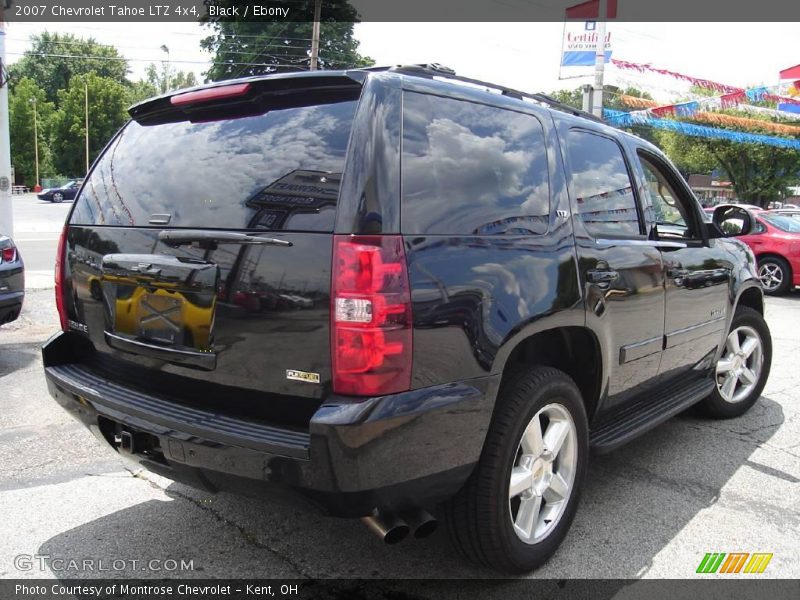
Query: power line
(115, 47)
(199, 62)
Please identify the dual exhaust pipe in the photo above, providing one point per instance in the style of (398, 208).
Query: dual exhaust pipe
(393, 528)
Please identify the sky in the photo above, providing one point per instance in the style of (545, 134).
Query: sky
(519, 55)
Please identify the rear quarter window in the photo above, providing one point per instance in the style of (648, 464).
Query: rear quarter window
(277, 171)
(471, 169)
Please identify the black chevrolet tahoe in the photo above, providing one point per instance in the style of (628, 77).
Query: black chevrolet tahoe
(398, 295)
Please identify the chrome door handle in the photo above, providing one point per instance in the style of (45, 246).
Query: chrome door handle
(601, 275)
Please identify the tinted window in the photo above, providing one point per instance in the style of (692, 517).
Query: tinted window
(470, 169)
(279, 170)
(601, 185)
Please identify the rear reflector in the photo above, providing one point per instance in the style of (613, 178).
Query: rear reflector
(8, 255)
(210, 94)
(371, 327)
(61, 280)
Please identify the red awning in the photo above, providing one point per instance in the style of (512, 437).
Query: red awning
(791, 73)
(591, 9)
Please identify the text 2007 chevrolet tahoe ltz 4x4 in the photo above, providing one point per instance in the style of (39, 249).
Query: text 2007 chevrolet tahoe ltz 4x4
(395, 294)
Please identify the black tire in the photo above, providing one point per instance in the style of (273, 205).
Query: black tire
(57, 198)
(785, 273)
(715, 405)
(478, 518)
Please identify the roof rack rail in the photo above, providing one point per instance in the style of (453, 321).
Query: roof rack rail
(432, 70)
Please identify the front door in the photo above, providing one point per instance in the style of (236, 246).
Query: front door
(697, 270)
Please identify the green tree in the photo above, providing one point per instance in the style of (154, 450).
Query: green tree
(611, 96)
(108, 101)
(55, 58)
(242, 48)
(166, 79)
(141, 90)
(759, 173)
(21, 128)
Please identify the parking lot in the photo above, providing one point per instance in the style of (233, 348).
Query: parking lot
(651, 509)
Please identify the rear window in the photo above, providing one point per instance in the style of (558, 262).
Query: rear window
(471, 169)
(276, 171)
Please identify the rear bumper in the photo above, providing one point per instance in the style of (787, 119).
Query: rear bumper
(393, 452)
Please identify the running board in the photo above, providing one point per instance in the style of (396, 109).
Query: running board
(624, 425)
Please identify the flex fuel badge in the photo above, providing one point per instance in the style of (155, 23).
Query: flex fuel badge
(302, 376)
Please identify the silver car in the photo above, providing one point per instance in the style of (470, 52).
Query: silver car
(12, 280)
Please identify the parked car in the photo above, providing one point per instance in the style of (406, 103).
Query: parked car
(775, 240)
(505, 284)
(12, 281)
(68, 191)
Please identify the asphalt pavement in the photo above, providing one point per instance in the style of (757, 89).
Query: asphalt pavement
(650, 510)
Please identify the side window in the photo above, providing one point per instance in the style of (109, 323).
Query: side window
(471, 169)
(669, 212)
(759, 227)
(601, 185)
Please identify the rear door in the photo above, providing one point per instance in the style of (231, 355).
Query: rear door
(620, 270)
(200, 245)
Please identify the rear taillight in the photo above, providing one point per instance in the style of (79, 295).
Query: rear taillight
(8, 255)
(370, 316)
(61, 304)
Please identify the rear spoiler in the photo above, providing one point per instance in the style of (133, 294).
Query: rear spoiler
(249, 97)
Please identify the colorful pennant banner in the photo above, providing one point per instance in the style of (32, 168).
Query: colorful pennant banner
(692, 110)
(703, 83)
(618, 118)
(731, 95)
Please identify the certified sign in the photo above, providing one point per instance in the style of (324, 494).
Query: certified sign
(4, 184)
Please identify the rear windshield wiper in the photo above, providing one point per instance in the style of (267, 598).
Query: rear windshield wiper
(208, 238)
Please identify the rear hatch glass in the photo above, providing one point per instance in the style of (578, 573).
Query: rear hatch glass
(276, 171)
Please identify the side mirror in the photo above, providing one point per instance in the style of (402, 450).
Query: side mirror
(731, 221)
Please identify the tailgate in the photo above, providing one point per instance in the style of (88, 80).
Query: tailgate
(201, 247)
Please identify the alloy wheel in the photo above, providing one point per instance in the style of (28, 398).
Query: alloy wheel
(543, 474)
(771, 276)
(739, 369)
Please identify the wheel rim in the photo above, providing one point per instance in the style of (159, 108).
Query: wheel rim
(543, 473)
(58, 197)
(771, 276)
(739, 368)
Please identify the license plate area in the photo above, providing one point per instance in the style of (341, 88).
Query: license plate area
(162, 301)
(161, 318)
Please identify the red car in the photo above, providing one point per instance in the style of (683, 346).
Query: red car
(775, 240)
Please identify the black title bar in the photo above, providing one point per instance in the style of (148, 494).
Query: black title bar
(394, 10)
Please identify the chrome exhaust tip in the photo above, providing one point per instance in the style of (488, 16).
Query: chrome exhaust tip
(422, 523)
(389, 527)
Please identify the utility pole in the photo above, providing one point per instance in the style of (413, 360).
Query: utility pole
(315, 35)
(599, 59)
(6, 214)
(86, 110)
(36, 187)
(164, 48)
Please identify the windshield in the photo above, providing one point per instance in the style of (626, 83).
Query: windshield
(783, 222)
(276, 171)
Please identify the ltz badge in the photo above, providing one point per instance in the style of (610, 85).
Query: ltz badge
(302, 376)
